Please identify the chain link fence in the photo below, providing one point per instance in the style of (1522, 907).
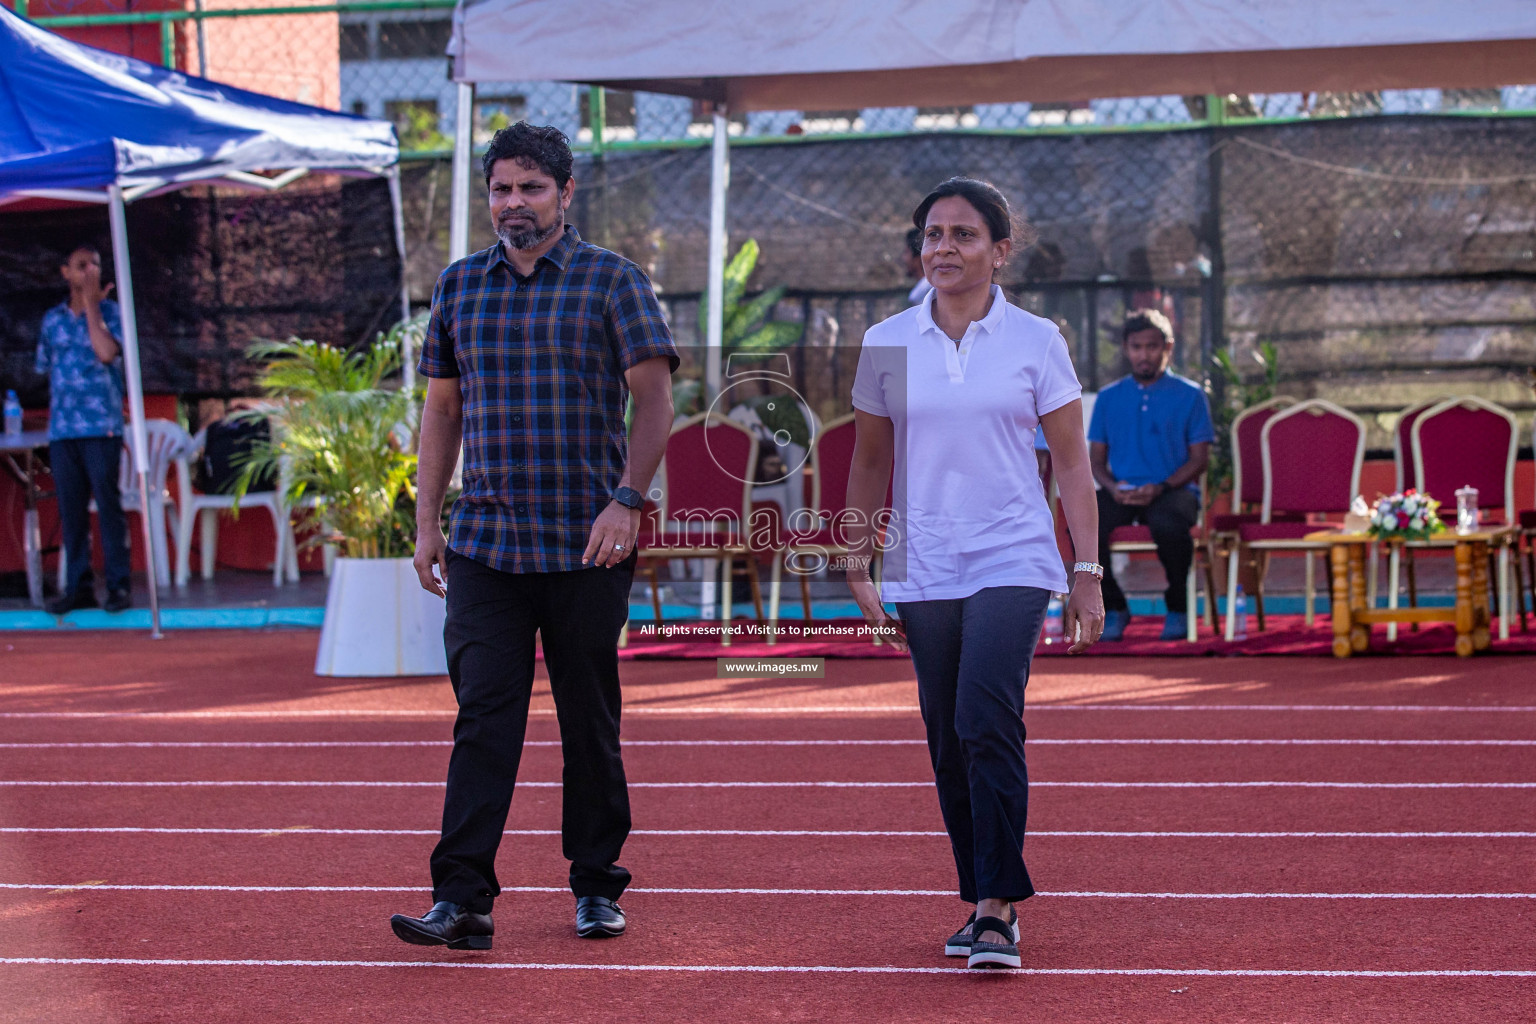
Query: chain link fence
(1381, 241)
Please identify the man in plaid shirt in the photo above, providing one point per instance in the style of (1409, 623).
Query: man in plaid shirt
(533, 348)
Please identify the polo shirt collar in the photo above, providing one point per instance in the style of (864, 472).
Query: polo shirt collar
(560, 255)
(989, 323)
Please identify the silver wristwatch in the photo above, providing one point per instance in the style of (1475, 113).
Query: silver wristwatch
(1093, 569)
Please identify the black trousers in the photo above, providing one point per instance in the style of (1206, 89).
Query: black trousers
(1170, 516)
(972, 658)
(84, 468)
(492, 619)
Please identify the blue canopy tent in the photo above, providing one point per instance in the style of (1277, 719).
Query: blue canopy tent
(85, 125)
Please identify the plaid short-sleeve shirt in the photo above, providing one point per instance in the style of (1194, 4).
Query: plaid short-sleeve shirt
(540, 362)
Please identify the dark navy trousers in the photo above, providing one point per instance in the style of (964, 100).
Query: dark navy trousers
(84, 468)
(972, 658)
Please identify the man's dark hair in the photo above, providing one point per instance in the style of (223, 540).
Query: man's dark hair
(982, 195)
(65, 255)
(1138, 320)
(915, 241)
(533, 146)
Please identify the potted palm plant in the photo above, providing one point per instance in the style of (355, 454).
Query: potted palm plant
(343, 443)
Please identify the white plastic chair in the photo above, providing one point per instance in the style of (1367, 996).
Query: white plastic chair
(205, 508)
(167, 442)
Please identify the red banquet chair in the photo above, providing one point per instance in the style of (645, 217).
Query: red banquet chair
(1247, 488)
(820, 532)
(1402, 443)
(1469, 441)
(1248, 463)
(707, 509)
(1138, 537)
(1311, 453)
(1528, 541)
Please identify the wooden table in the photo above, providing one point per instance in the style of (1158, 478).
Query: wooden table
(19, 455)
(1353, 617)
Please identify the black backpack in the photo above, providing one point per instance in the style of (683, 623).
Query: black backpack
(221, 464)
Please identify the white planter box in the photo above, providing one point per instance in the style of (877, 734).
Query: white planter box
(379, 622)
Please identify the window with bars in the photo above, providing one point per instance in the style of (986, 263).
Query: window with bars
(493, 113)
(354, 42)
(618, 108)
(406, 40)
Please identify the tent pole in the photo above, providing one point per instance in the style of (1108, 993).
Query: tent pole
(202, 41)
(719, 183)
(117, 215)
(407, 356)
(463, 129)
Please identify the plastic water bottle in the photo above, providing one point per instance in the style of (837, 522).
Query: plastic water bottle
(12, 414)
(1240, 631)
(1053, 612)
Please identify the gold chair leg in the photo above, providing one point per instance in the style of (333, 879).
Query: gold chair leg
(1210, 586)
(727, 569)
(650, 570)
(755, 580)
(1260, 570)
(1519, 584)
(1413, 585)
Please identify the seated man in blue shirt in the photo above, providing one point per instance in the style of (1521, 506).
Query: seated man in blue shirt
(1149, 441)
(78, 349)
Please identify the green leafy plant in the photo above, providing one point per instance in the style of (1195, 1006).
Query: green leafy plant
(1239, 392)
(747, 326)
(416, 125)
(749, 329)
(342, 436)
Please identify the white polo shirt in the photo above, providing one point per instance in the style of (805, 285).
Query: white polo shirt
(970, 510)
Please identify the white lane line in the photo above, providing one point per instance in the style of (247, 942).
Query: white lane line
(726, 709)
(738, 784)
(1161, 972)
(93, 886)
(1054, 742)
(301, 830)
(1485, 708)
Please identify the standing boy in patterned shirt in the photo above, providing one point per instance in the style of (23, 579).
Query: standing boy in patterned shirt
(78, 349)
(532, 350)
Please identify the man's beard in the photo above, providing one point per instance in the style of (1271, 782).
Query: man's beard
(525, 234)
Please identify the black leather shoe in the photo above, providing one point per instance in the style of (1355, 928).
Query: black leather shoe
(598, 918)
(68, 603)
(118, 600)
(446, 924)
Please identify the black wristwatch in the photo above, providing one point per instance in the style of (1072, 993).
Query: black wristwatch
(629, 497)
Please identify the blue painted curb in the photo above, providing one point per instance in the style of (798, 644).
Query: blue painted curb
(306, 617)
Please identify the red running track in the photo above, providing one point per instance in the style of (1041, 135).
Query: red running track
(200, 830)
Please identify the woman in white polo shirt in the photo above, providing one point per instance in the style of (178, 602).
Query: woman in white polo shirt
(952, 391)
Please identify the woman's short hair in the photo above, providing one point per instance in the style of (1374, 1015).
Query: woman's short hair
(983, 195)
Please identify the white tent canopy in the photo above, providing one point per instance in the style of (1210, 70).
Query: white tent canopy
(836, 54)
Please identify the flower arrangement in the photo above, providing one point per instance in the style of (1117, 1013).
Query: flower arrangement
(1406, 516)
